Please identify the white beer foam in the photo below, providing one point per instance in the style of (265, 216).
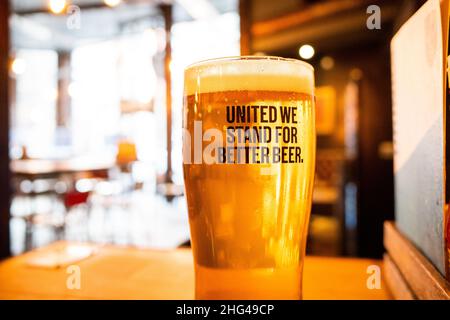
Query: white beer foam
(249, 73)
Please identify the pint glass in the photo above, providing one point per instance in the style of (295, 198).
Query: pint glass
(249, 152)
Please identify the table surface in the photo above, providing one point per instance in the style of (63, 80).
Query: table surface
(60, 166)
(131, 273)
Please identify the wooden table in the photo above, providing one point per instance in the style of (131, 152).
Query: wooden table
(131, 273)
(38, 168)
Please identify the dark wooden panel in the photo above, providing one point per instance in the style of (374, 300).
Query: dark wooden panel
(397, 284)
(324, 9)
(422, 277)
(245, 26)
(5, 190)
(167, 12)
(370, 173)
(63, 100)
(375, 173)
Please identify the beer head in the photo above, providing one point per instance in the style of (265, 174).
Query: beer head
(249, 73)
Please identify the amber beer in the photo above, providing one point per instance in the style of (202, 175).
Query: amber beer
(249, 154)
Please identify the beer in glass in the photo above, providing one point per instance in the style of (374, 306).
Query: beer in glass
(249, 152)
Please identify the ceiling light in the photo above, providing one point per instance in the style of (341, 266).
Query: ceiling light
(112, 3)
(306, 51)
(18, 66)
(57, 6)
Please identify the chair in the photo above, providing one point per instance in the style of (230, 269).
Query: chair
(56, 222)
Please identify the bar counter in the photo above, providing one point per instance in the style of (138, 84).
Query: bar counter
(115, 272)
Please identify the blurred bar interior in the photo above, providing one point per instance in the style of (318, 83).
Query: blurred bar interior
(91, 140)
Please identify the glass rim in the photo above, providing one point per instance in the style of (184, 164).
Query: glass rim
(206, 62)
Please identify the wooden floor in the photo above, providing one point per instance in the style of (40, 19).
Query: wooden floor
(130, 273)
